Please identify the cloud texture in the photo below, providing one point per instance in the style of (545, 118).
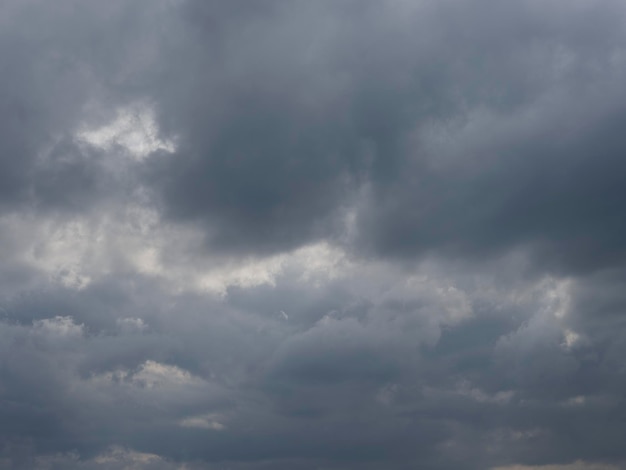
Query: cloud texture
(312, 235)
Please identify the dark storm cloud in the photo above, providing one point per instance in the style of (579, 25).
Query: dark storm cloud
(453, 169)
(285, 112)
(282, 118)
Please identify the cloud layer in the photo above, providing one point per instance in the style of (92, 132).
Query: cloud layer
(312, 235)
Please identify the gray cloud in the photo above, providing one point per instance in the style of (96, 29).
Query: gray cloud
(311, 235)
(431, 109)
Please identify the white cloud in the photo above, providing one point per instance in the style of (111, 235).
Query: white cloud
(58, 327)
(134, 129)
(122, 456)
(131, 325)
(78, 251)
(208, 421)
(154, 374)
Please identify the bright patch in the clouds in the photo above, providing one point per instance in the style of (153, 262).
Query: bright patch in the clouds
(313, 263)
(134, 129)
(131, 325)
(576, 401)
(58, 327)
(121, 456)
(558, 295)
(202, 422)
(81, 250)
(59, 249)
(154, 374)
(570, 339)
(150, 375)
(465, 389)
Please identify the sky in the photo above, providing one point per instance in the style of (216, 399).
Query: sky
(312, 235)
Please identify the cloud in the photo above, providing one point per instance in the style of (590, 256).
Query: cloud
(312, 235)
(202, 422)
(579, 465)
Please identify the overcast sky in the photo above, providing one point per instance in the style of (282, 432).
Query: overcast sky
(312, 235)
